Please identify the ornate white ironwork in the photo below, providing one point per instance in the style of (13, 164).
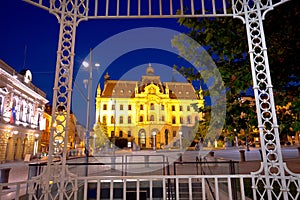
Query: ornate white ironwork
(272, 165)
(71, 12)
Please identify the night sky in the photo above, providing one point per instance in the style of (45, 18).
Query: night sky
(29, 38)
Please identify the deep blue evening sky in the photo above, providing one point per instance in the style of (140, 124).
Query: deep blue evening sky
(24, 26)
(29, 37)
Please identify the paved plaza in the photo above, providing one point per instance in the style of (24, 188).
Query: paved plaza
(19, 169)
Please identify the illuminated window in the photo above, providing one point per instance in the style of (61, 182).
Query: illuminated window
(152, 106)
(173, 120)
(173, 108)
(188, 120)
(188, 108)
(112, 120)
(152, 118)
(141, 118)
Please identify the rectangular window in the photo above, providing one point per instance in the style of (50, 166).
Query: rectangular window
(180, 108)
(104, 107)
(173, 120)
(121, 107)
(112, 134)
(113, 107)
(129, 107)
(173, 108)
(129, 133)
(188, 108)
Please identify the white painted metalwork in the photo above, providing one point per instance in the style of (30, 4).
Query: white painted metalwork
(221, 186)
(69, 13)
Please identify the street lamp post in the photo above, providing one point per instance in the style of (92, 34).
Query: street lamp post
(114, 136)
(154, 140)
(180, 140)
(89, 66)
(236, 139)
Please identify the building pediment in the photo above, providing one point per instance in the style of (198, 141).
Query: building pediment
(152, 89)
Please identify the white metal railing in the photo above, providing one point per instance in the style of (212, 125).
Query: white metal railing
(154, 187)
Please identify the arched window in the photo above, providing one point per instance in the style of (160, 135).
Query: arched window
(141, 118)
(152, 106)
(104, 106)
(188, 120)
(188, 108)
(141, 107)
(173, 108)
(112, 120)
(173, 120)
(152, 118)
(104, 119)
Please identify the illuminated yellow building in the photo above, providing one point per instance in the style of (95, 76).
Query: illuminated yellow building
(149, 113)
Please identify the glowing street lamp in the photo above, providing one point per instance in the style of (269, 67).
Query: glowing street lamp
(180, 140)
(88, 83)
(154, 140)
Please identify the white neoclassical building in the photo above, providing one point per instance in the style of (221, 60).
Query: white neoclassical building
(21, 114)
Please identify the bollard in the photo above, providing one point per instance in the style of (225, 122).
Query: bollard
(242, 155)
(180, 157)
(4, 176)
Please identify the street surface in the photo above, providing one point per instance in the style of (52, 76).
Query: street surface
(19, 169)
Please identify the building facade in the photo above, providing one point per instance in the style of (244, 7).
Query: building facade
(149, 113)
(21, 114)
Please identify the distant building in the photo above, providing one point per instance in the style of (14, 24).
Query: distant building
(148, 113)
(21, 114)
(75, 134)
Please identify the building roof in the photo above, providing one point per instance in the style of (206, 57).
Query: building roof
(127, 88)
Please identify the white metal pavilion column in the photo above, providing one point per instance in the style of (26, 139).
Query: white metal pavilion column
(273, 172)
(56, 178)
(70, 12)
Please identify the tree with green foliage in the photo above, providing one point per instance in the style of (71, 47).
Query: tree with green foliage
(100, 130)
(225, 40)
